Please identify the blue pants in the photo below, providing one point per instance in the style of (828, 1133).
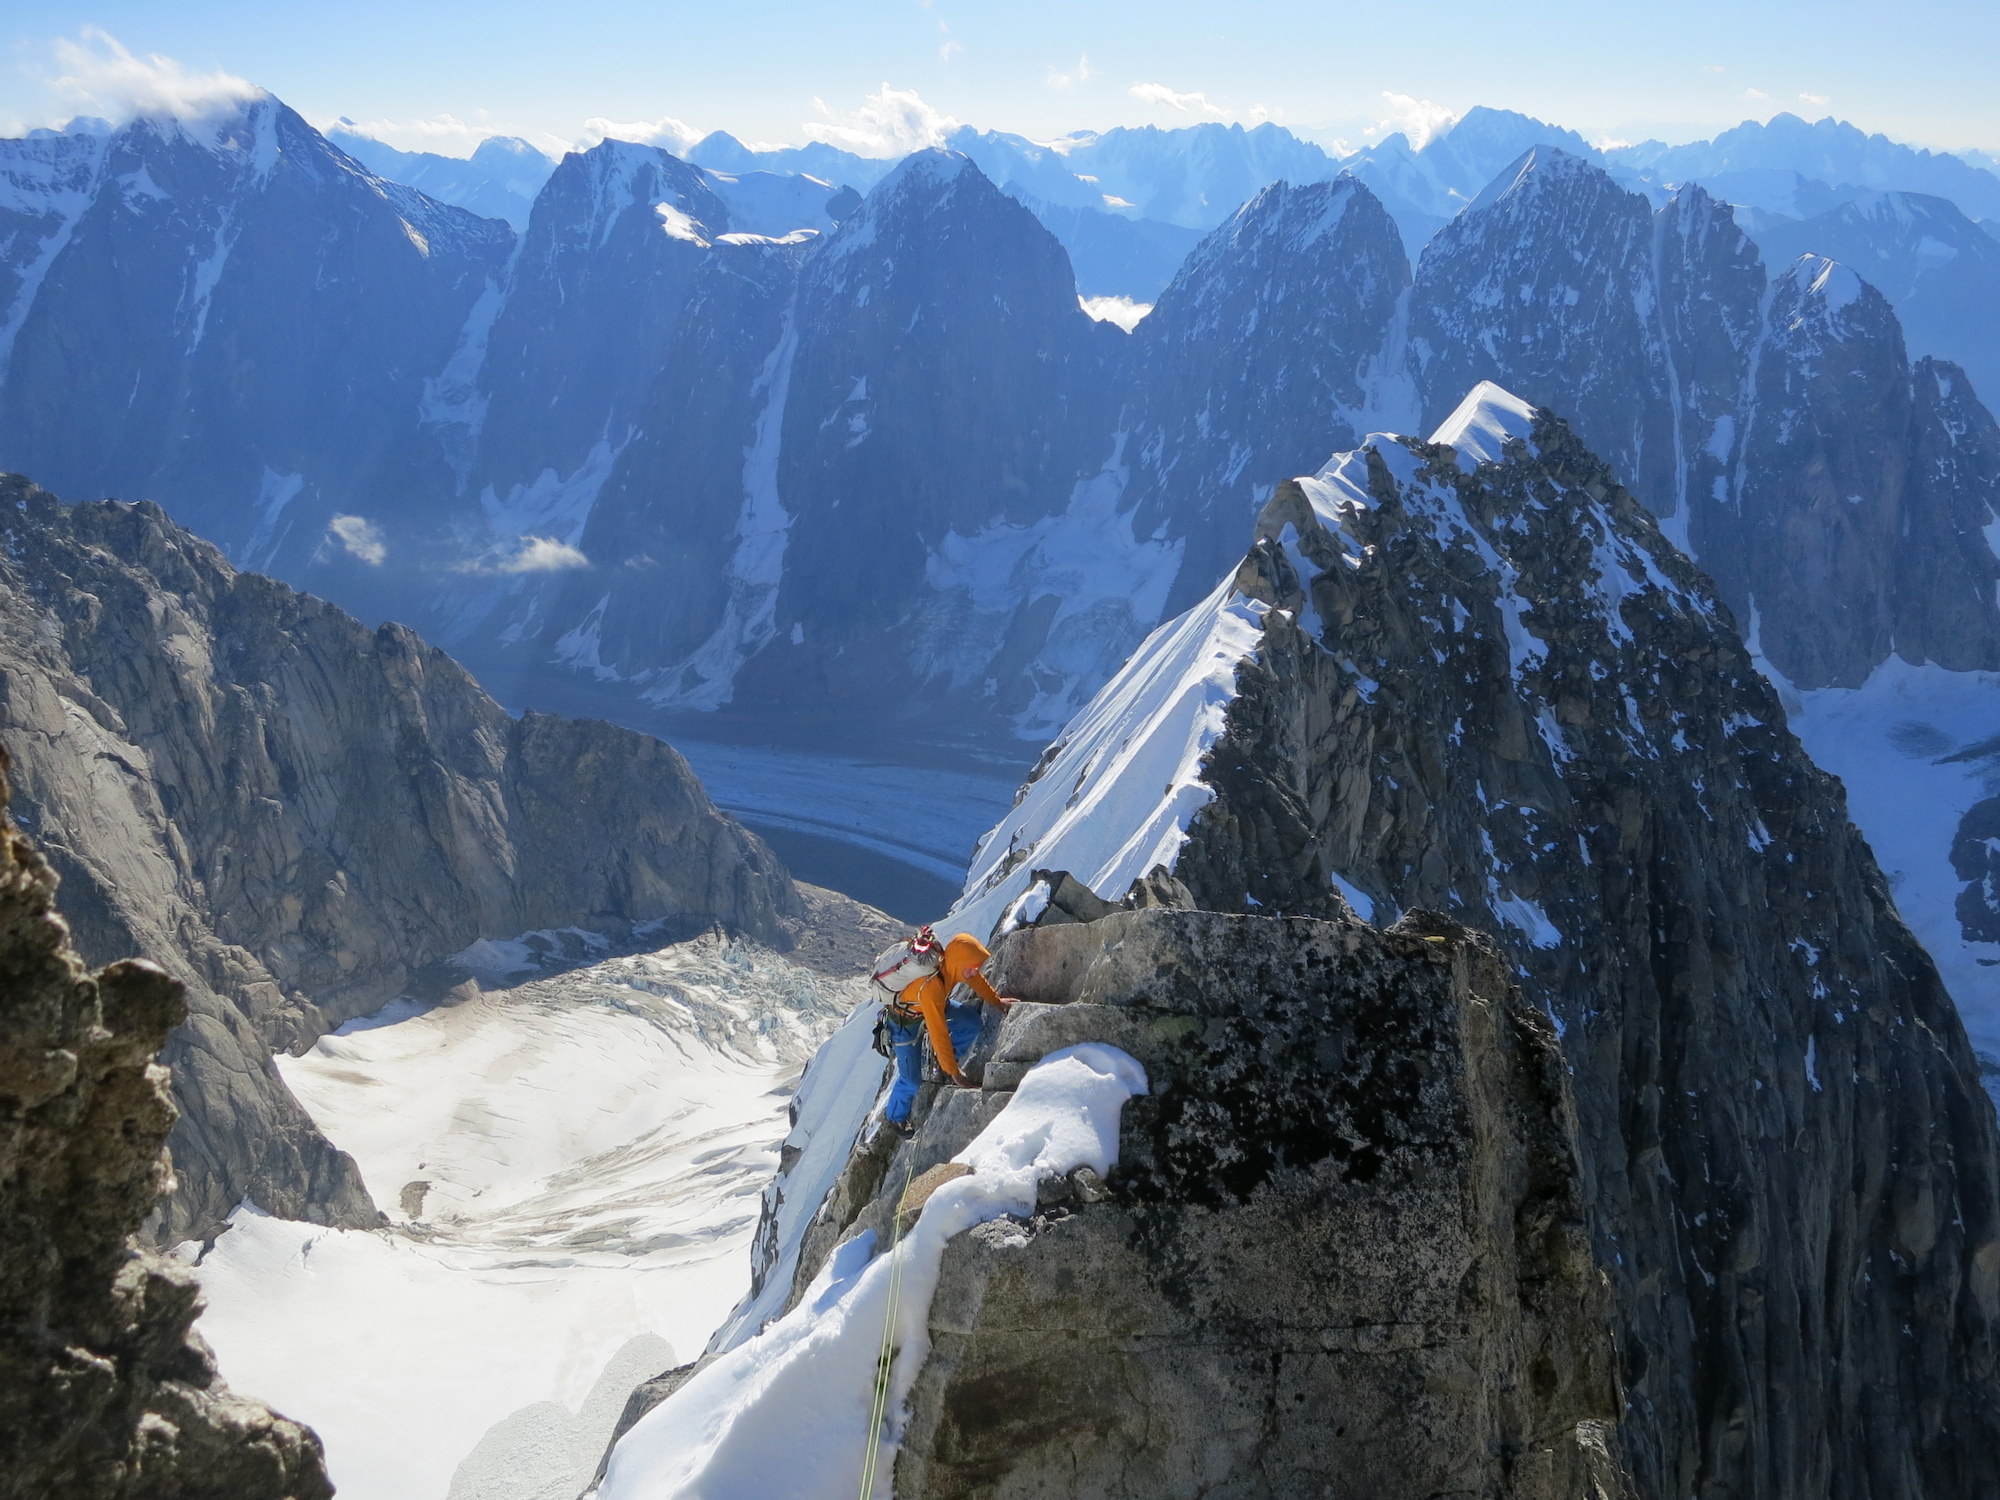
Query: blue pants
(906, 1042)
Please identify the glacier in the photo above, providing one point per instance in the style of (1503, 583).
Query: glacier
(571, 1165)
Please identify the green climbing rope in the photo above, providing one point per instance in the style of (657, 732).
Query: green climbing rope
(885, 1358)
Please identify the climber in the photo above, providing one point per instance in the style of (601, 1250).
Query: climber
(920, 975)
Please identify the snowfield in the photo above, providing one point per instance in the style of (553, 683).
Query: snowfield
(1892, 741)
(572, 1168)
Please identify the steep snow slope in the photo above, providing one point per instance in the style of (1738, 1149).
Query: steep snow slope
(569, 1162)
(1114, 794)
(787, 1414)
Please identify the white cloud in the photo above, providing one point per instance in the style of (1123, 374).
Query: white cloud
(1123, 311)
(1713, 68)
(675, 135)
(1817, 101)
(1756, 96)
(360, 537)
(1419, 119)
(1058, 79)
(948, 45)
(890, 122)
(544, 554)
(102, 76)
(1192, 104)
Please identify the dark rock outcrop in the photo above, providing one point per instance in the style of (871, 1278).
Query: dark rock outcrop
(1775, 424)
(297, 815)
(1498, 691)
(1343, 1252)
(106, 1393)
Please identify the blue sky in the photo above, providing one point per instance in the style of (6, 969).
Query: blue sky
(442, 72)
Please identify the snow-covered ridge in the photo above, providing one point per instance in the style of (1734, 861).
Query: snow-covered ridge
(1825, 287)
(1536, 171)
(786, 1415)
(1116, 792)
(1484, 423)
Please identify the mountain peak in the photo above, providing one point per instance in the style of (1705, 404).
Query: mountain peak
(1827, 282)
(1533, 167)
(1484, 422)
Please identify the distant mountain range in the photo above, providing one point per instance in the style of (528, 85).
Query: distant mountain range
(722, 444)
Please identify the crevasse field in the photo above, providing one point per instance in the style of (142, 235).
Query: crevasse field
(571, 1165)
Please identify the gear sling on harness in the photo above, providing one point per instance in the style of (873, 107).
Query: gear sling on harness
(895, 969)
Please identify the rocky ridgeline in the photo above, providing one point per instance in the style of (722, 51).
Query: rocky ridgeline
(1343, 1253)
(1482, 682)
(105, 1391)
(297, 816)
(1344, 1250)
(1496, 690)
(1769, 414)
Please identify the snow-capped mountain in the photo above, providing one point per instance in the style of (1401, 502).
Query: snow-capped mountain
(1828, 151)
(239, 316)
(1740, 408)
(1939, 270)
(888, 480)
(1425, 187)
(834, 494)
(1842, 498)
(1473, 676)
(1279, 342)
(722, 152)
(498, 181)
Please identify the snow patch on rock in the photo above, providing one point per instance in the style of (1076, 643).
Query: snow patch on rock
(786, 1415)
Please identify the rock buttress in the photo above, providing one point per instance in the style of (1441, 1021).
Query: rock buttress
(105, 1391)
(295, 815)
(1343, 1253)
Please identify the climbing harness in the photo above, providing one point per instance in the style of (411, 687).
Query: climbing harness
(885, 1358)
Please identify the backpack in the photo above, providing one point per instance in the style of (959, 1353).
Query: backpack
(899, 967)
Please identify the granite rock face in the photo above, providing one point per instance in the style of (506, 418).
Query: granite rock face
(1343, 1252)
(1276, 344)
(1773, 422)
(1495, 690)
(297, 816)
(106, 1393)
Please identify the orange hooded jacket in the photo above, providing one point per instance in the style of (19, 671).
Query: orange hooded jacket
(962, 957)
